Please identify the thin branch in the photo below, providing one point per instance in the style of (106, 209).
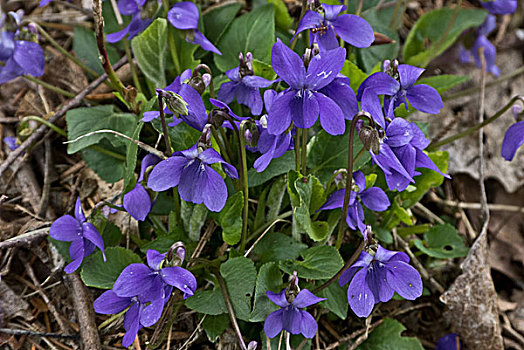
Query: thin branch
(26, 239)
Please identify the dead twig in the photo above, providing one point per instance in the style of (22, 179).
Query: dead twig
(25, 240)
(38, 334)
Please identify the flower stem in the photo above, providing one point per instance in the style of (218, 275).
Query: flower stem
(134, 72)
(49, 86)
(297, 150)
(471, 130)
(47, 123)
(164, 127)
(304, 152)
(302, 13)
(245, 189)
(171, 39)
(65, 52)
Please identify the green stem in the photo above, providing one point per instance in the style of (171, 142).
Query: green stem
(164, 127)
(47, 123)
(49, 86)
(108, 152)
(134, 72)
(297, 149)
(221, 145)
(304, 151)
(171, 39)
(393, 22)
(302, 13)
(245, 209)
(65, 52)
(471, 130)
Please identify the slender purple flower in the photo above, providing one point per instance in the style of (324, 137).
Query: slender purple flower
(302, 102)
(401, 153)
(139, 22)
(197, 181)
(10, 141)
(482, 42)
(137, 201)
(324, 28)
(375, 278)
(289, 317)
(421, 96)
(244, 85)
(449, 342)
(196, 116)
(373, 198)
(83, 236)
(500, 7)
(184, 16)
(514, 136)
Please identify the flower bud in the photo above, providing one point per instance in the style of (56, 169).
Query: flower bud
(370, 139)
(206, 78)
(198, 83)
(252, 345)
(518, 112)
(174, 102)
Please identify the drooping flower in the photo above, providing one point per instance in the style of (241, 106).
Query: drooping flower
(500, 7)
(482, 42)
(302, 102)
(137, 201)
(401, 153)
(375, 279)
(244, 85)
(196, 116)
(142, 11)
(373, 198)
(324, 28)
(197, 181)
(84, 236)
(184, 16)
(449, 342)
(19, 49)
(421, 96)
(289, 317)
(514, 136)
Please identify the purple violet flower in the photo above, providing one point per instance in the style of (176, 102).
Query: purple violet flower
(10, 141)
(401, 152)
(184, 16)
(421, 96)
(375, 278)
(481, 41)
(302, 102)
(139, 22)
(244, 85)
(290, 318)
(500, 7)
(196, 116)
(514, 136)
(83, 236)
(373, 198)
(324, 28)
(449, 342)
(137, 201)
(197, 181)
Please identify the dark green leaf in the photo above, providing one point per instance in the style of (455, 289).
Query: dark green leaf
(230, 219)
(185, 51)
(193, 217)
(215, 325)
(108, 165)
(97, 273)
(217, 19)
(443, 242)
(182, 137)
(277, 167)
(269, 278)
(425, 40)
(282, 18)
(111, 234)
(210, 302)
(276, 247)
(253, 32)
(240, 275)
(149, 48)
(84, 45)
(337, 300)
(369, 57)
(387, 336)
(321, 262)
(274, 198)
(444, 82)
(131, 154)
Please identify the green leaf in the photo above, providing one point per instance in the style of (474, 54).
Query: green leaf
(263, 70)
(428, 179)
(274, 199)
(149, 48)
(131, 154)
(307, 195)
(444, 82)
(253, 32)
(321, 262)
(185, 51)
(443, 242)
(388, 336)
(193, 217)
(328, 153)
(276, 246)
(240, 275)
(368, 57)
(210, 302)
(337, 300)
(97, 273)
(215, 325)
(86, 49)
(277, 167)
(81, 121)
(425, 40)
(282, 18)
(269, 278)
(218, 19)
(230, 219)
(111, 234)
(182, 137)
(354, 73)
(109, 168)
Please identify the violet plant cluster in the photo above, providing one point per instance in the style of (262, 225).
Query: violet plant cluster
(305, 95)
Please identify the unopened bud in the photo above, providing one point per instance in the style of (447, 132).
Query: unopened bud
(386, 65)
(32, 28)
(174, 102)
(205, 138)
(206, 78)
(518, 112)
(263, 121)
(248, 136)
(249, 62)
(252, 345)
(370, 139)
(198, 83)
